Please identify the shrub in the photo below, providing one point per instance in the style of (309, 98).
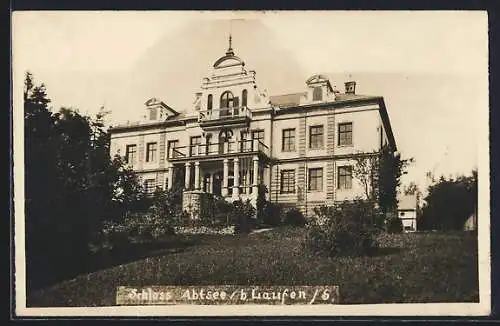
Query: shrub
(273, 214)
(242, 215)
(142, 225)
(261, 202)
(294, 217)
(166, 203)
(394, 225)
(345, 229)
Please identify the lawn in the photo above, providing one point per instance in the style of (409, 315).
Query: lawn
(420, 267)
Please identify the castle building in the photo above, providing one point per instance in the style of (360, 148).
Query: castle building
(300, 146)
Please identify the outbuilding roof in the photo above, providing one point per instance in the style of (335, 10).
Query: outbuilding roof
(407, 202)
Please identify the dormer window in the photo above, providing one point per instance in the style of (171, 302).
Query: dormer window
(153, 114)
(210, 102)
(317, 94)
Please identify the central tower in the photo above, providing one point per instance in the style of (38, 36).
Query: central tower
(230, 90)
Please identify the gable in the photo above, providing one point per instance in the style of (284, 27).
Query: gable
(165, 111)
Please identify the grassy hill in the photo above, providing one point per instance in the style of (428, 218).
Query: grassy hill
(420, 267)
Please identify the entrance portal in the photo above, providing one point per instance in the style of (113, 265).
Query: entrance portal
(218, 184)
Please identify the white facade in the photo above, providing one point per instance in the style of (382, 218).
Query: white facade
(407, 212)
(301, 145)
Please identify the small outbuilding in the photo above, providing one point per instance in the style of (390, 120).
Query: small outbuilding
(407, 212)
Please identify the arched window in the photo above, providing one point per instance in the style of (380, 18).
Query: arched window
(225, 136)
(317, 94)
(226, 100)
(210, 102)
(244, 95)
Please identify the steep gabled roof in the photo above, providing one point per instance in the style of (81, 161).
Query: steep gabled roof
(407, 202)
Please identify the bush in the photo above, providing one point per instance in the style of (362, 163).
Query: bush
(273, 214)
(294, 217)
(346, 229)
(394, 225)
(242, 215)
(261, 202)
(147, 226)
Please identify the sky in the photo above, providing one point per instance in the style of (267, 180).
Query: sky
(430, 67)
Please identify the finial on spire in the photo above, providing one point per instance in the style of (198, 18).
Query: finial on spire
(230, 49)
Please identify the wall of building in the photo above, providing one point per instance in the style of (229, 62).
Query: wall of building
(409, 219)
(365, 135)
(365, 123)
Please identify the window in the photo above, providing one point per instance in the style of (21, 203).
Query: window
(317, 94)
(171, 152)
(345, 134)
(288, 144)
(316, 137)
(131, 154)
(226, 100)
(151, 152)
(150, 186)
(194, 142)
(153, 114)
(344, 177)
(401, 213)
(246, 143)
(244, 96)
(287, 181)
(316, 179)
(208, 142)
(210, 102)
(259, 135)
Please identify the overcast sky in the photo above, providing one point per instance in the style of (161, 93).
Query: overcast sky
(431, 67)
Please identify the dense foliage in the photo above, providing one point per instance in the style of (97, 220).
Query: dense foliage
(394, 225)
(449, 203)
(342, 230)
(71, 184)
(380, 176)
(294, 217)
(273, 214)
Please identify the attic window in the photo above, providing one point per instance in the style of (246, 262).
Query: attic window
(317, 94)
(153, 113)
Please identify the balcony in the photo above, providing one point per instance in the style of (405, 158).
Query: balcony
(250, 147)
(226, 116)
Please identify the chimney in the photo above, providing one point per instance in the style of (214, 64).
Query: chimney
(350, 87)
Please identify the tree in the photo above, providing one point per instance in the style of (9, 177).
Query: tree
(71, 184)
(366, 172)
(411, 189)
(391, 168)
(450, 201)
(379, 173)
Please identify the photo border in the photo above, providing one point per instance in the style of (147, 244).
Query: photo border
(483, 231)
